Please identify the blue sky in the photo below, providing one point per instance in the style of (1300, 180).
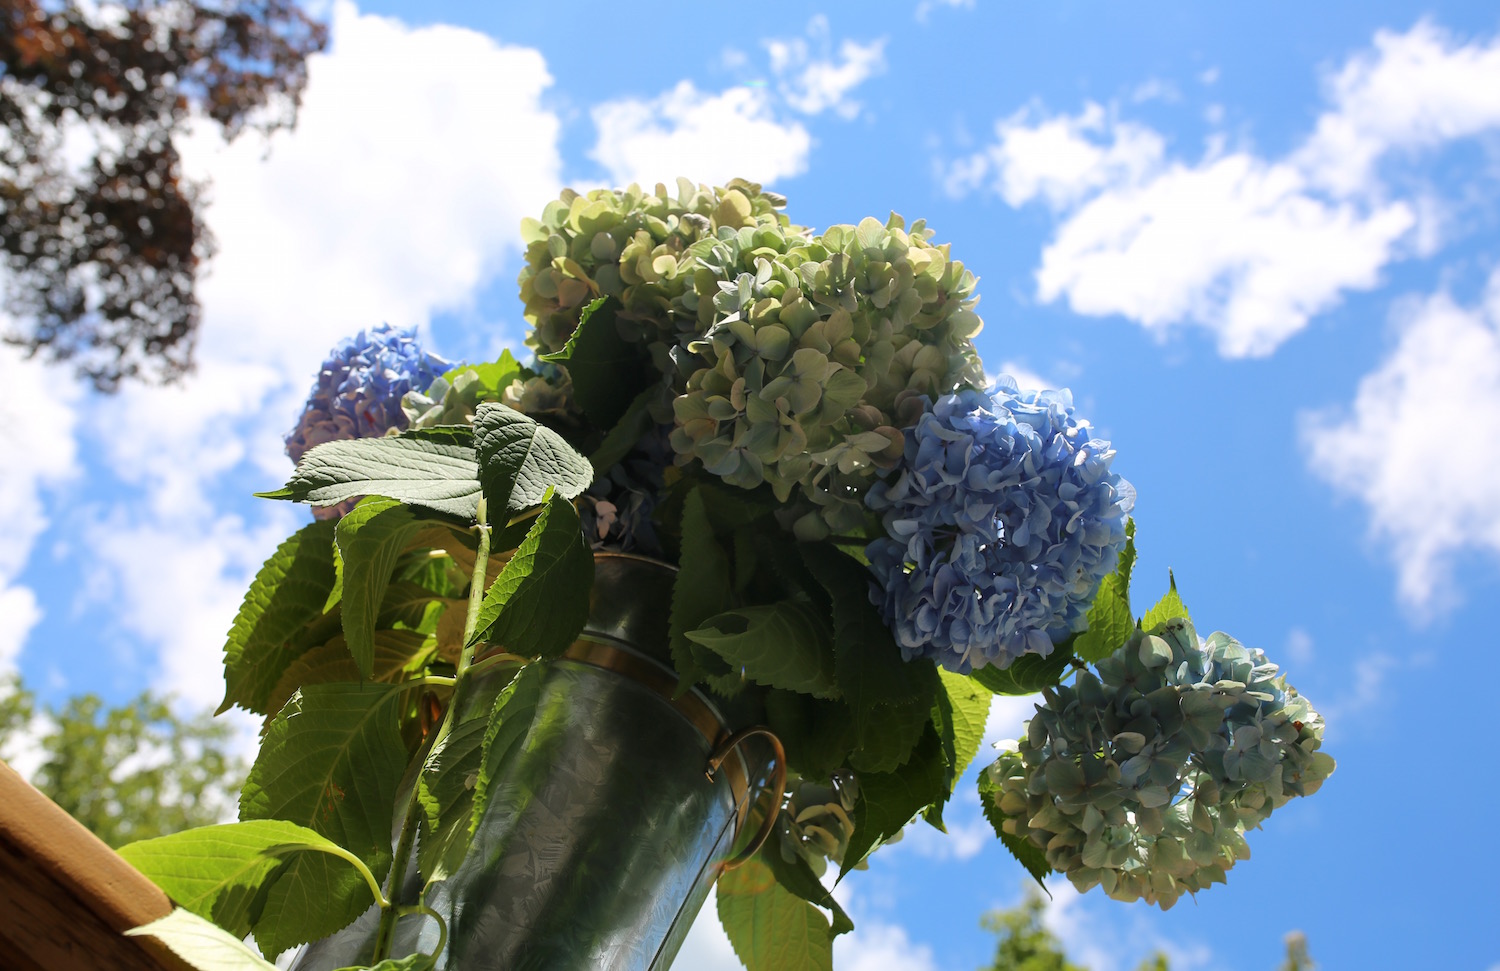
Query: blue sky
(1261, 244)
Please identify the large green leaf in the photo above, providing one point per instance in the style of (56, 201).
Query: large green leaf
(959, 715)
(780, 645)
(521, 459)
(889, 800)
(540, 601)
(510, 720)
(221, 872)
(816, 732)
(445, 791)
(624, 433)
(201, 943)
(1110, 622)
(1028, 673)
(700, 590)
(1032, 857)
(331, 761)
(370, 540)
(397, 652)
(889, 698)
(441, 476)
(771, 928)
(607, 370)
(316, 895)
(1169, 607)
(285, 597)
(800, 879)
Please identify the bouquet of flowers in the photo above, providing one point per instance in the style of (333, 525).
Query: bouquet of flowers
(872, 539)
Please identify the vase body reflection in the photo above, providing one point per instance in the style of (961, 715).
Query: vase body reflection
(603, 833)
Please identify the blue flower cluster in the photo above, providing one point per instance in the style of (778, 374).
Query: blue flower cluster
(359, 388)
(1000, 523)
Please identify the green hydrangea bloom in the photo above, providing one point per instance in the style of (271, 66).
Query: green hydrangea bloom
(632, 245)
(814, 824)
(815, 353)
(1145, 778)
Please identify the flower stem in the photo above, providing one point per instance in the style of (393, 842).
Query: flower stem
(385, 935)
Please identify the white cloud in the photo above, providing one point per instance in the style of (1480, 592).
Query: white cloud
(1246, 246)
(705, 137)
(747, 131)
(38, 451)
(397, 196)
(1415, 90)
(812, 84)
(1430, 496)
(873, 946)
(1111, 943)
(1058, 159)
(925, 8)
(1300, 648)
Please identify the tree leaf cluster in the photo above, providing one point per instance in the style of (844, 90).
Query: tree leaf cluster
(102, 257)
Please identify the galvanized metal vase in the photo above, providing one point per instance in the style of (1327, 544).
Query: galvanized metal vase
(608, 825)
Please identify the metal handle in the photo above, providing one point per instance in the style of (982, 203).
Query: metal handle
(778, 785)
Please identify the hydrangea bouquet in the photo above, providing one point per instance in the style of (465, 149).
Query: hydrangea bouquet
(872, 539)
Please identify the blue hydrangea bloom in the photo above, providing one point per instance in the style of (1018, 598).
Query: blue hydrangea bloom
(1001, 520)
(359, 388)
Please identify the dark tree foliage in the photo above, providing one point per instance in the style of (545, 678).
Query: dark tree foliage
(103, 253)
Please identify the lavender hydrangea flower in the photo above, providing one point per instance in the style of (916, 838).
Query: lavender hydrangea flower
(1001, 521)
(358, 392)
(359, 388)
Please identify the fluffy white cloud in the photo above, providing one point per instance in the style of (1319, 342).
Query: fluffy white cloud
(813, 84)
(749, 131)
(1414, 90)
(1246, 246)
(38, 450)
(398, 195)
(706, 137)
(1058, 158)
(1430, 496)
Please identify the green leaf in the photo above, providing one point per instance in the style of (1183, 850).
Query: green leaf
(201, 944)
(440, 476)
(780, 645)
(396, 652)
(494, 376)
(1127, 561)
(1169, 607)
(607, 370)
(540, 601)
(446, 794)
(1028, 673)
(510, 720)
(623, 435)
(218, 872)
(770, 928)
(370, 540)
(1110, 623)
(332, 761)
(800, 879)
(316, 895)
(889, 698)
(286, 596)
(959, 715)
(1030, 856)
(889, 800)
(520, 460)
(817, 733)
(700, 590)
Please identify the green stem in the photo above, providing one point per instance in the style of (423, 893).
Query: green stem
(385, 935)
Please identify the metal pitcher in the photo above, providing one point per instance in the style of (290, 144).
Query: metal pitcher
(608, 825)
